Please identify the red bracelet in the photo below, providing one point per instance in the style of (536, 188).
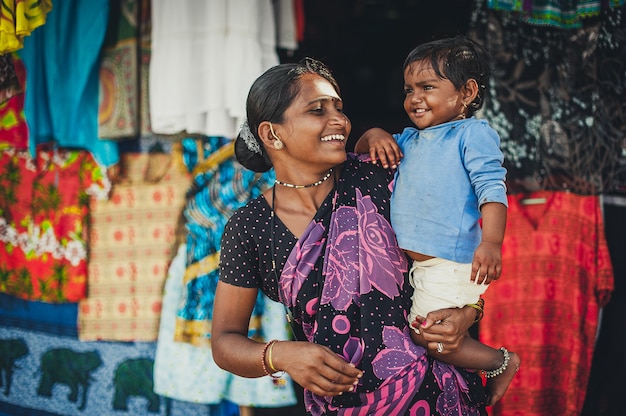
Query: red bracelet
(263, 354)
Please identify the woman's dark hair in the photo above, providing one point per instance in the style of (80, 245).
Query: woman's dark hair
(270, 95)
(458, 60)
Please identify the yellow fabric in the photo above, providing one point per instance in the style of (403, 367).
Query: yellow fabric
(18, 18)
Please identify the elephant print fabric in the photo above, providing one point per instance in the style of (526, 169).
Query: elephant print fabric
(64, 366)
(135, 378)
(61, 376)
(11, 350)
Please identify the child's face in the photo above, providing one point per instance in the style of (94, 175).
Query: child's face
(430, 100)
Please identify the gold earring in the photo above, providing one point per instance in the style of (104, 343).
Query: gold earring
(272, 130)
(464, 110)
(278, 144)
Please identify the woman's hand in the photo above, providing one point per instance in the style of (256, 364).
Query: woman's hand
(444, 330)
(316, 368)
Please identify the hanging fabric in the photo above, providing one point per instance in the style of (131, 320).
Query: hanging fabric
(133, 237)
(560, 14)
(556, 100)
(205, 55)
(61, 102)
(556, 276)
(18, 19)
(123, 106)
(44, 222)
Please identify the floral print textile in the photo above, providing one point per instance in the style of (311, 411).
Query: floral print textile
(44, 207)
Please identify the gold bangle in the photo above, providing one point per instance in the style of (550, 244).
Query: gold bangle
(479, 306)
(269, 357)
(267, 351)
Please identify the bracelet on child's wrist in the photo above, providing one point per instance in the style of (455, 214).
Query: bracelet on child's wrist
(480, 309)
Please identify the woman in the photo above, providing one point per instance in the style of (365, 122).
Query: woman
(319, 241)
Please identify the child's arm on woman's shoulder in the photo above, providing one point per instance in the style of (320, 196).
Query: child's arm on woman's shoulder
(381, 146)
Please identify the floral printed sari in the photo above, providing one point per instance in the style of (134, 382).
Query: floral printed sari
(345, 285)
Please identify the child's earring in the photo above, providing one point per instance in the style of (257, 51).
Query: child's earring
(278, 144)
(464, 110)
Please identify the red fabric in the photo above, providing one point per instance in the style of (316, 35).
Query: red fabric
(43, 223)
(298, 6)
(545, 306)
(13, 127)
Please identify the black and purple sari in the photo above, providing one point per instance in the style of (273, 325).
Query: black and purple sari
(344, 283)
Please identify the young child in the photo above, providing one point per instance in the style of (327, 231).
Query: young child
(451, 176)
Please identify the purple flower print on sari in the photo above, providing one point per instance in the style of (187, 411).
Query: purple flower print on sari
(453, 385)
(301, 261)
(361, 253)
(402, 365)
(400, 352)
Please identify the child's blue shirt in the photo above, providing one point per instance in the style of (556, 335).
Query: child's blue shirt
(447, 173)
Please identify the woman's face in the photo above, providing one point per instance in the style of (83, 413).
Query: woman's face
(315, 129)
(430, 100)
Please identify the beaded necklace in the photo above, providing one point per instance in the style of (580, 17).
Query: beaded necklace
(321, 181)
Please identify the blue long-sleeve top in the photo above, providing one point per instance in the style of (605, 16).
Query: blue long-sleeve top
(447, 173)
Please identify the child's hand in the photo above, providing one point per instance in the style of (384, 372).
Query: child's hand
(381, 147)
(487, 263)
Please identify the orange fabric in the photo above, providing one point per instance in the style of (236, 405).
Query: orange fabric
(134, 235)
(545, 305)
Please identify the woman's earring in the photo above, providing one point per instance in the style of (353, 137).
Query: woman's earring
(278, 144)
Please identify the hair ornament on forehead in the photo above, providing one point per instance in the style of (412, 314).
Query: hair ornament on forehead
(251, 142)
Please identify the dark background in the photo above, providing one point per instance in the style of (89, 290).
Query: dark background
(364, 42)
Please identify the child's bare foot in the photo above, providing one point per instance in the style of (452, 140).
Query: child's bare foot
(497, 384)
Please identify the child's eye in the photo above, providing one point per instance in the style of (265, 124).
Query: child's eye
(428, 87)
(408, 91)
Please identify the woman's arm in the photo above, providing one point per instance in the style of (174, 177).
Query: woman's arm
(313, 366)
(232, 349)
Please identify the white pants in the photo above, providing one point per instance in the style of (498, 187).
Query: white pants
(440, 284)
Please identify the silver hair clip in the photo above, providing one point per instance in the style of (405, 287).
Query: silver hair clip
(251, 142)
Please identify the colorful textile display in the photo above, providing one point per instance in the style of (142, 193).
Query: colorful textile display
(13, 128)
(124, 109)
(61, 59)
(557, 13)
(133, 238)
(556, 99)
(47, 371)
(44, 207)
(215, 194)
(10, 80)
(556, 276)
(186, 372)
(18, 18)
